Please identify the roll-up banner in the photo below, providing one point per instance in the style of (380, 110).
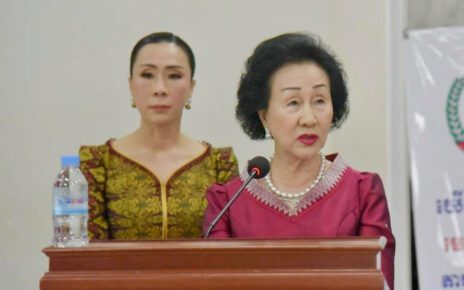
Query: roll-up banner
(435, 116)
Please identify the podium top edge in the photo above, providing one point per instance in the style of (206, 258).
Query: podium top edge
(339, 243)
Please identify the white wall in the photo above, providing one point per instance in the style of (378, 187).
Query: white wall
(430, 13)
(63, 83)
(397, 162)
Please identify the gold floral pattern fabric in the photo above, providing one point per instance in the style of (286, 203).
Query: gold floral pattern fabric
(127, 201)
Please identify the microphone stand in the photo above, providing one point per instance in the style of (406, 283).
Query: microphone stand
(226, 207)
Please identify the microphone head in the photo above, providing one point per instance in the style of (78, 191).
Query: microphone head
(259, 165)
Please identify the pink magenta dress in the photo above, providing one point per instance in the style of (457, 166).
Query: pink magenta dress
(345, 202)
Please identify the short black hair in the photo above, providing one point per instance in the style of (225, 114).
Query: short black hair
(271, 55)
(159, 37)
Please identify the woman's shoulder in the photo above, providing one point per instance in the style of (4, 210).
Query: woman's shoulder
(341, 174)
(341, 166)
(365, 181)
(224, 156)
(363, 177)
(228, 187)
(221, 152)
(93, 161)
(92, 152)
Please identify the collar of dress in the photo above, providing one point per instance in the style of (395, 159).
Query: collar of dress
(296, 206)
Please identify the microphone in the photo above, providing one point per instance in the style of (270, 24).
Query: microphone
(258, 167)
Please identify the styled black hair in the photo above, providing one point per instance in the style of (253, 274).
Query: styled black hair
(159, 37)
(271, 55)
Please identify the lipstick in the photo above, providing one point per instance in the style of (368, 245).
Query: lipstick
(308, 139)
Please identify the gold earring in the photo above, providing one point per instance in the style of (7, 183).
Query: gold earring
(188, 104)
(133, 103)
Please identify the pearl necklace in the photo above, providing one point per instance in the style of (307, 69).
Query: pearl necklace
(297, 195)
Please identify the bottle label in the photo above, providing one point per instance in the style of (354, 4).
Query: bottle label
(67, 204)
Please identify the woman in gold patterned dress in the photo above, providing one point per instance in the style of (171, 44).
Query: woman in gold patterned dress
(151, 183)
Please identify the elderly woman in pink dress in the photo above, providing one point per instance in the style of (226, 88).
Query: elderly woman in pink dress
(294, 92)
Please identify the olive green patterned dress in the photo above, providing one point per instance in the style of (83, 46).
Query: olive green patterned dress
(127, 201)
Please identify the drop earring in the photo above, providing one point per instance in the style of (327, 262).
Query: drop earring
(133, 103)
(188, 104)
(267, 134)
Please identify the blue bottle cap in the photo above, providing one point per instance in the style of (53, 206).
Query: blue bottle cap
(70, 160)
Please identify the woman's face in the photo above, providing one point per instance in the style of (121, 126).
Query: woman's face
(161, 82)
(299, 114)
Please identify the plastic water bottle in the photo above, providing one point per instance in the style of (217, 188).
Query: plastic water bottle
(70, 205)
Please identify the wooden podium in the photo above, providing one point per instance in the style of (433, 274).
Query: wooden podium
(340, 263)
